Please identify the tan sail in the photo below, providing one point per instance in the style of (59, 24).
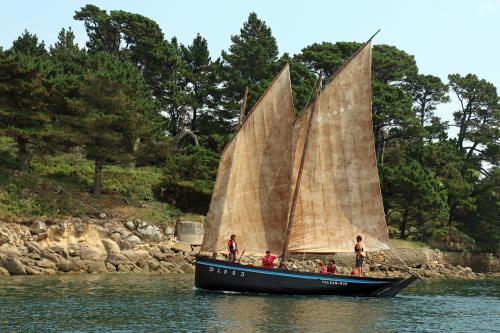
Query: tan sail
(339, 195)
(252, 191)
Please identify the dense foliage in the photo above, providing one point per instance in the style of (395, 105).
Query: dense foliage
(132, 98)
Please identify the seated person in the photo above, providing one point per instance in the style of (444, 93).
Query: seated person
(322, 267)
(268, 260)
(331, 267)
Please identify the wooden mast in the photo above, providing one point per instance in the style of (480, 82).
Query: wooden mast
(243, 107)
(299, 176)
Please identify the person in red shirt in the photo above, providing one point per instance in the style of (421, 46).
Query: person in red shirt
(232, 247)
(268, 260)
(322, 267)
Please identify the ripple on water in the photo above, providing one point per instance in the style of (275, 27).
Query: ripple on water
(169, 303)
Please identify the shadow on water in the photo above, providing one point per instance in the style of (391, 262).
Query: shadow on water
(169, 303)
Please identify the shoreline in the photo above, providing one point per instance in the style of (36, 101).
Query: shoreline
(108, 245)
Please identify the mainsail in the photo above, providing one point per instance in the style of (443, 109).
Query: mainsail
(252, 190)
(339, 195)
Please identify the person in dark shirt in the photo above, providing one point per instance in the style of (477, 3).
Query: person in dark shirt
(331, 267)
(360, 255)
(232, 247)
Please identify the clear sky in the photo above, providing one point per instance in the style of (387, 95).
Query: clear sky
(445, 36)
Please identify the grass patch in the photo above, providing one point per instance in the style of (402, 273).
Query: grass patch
(60, 185)
(406, 244)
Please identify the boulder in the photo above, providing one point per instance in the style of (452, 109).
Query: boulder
(156, 253)
(4, 271)
(33, 247)
(190, 232)
(97, 267)
(38, 227)
(187, 268)
(45, 263)
(102, 216)
(9, 250)
(110, 245)
(130, 225)
(67, 266)
(181, 246)
(13, 265)
(136, 255)
(51, 255)
(92, 253)
(169, 231)
(116, 258)
(133, 239)
(34, 271)
(110, 267)
(150, 233)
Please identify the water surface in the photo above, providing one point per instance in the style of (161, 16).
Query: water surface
(169, 303)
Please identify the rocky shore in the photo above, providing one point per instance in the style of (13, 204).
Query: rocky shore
(105, 245)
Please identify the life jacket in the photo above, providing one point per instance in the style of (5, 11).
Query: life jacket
(232, 246)
(268, 262)
(323, 270)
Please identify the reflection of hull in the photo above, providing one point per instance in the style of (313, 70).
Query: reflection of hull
(218, 275)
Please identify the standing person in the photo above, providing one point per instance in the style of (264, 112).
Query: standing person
(322, 267)
(268, 260)
(232, 247)
(331, 267)
(360, 255)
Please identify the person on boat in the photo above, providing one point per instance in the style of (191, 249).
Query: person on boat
(331, 267)
(232, 247)
(360, 255)
(268, 260)
(322, 267)
(283, 265)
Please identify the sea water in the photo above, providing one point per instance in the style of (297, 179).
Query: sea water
(170, 303)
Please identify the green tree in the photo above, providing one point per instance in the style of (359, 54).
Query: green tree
(23, 95)
(414, 197)
(200, 81)
(113, 103)
(478, 118)
(64, 71)
(484, 224)
(249, 62)
(427, 92)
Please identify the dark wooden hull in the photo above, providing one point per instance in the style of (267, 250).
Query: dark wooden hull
(219, 275)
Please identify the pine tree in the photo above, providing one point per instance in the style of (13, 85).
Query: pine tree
(113, 105)
(23, 95)
(249, 62)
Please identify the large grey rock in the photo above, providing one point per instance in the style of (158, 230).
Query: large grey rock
(13, 265)
(130, 225)
(190, 232)
(38, 227)
(150, 233)
(133, 239)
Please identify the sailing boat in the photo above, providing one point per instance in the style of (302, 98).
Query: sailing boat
(305, 185)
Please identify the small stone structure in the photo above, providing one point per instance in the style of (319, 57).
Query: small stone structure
(190, 232)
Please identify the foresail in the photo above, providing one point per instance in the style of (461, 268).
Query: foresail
(339, 195)
(252, 190)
